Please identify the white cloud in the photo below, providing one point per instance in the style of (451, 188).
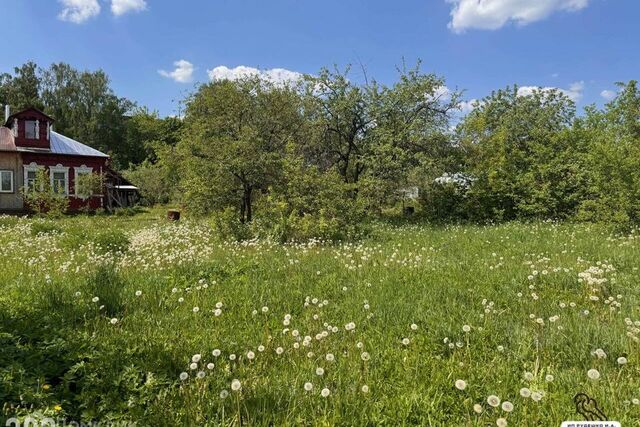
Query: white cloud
(574, 92)
(120, 7)
(443, 93)
(182, 74)
(608, 94)
(494, 14)
(78, 11)
(466, 107)
(277, 76)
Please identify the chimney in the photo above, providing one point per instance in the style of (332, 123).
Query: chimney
(7, 113)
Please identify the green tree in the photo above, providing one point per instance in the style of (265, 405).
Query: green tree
(340, 115)
(22, 89)
(147, 132)
(234, 142)
(517, 150)
(372, 134)
(612, 158)
(411, 133)
(89, 185)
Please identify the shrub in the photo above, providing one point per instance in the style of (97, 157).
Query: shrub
(228, 226)
(444, 202)
(114, 241)
(88, 185)
(153, 181)
(43, 227)
(106, 284)
(43, 199)
(312, 205)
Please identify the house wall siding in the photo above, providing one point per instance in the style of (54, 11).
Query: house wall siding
(96, 163)
(10, 202)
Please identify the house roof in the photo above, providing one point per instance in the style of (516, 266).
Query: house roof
(31, 109)
(65, 146)
(61, 144)
(7, 142)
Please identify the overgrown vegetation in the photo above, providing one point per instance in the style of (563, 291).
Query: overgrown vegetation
(315, 159)
(322, 155)
(141, 320)
(41, 197)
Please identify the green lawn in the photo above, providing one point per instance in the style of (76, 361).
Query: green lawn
(100, 317)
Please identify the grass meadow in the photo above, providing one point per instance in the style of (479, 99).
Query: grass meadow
(137, 320)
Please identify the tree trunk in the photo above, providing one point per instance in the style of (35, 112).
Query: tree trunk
(247, 202)
(242, 210)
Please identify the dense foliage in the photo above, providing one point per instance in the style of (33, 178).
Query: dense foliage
(320, 155)
(514, 156)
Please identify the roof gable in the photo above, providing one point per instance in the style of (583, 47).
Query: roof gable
(29, 111)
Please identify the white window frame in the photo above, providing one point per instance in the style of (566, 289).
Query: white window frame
(13, 181)
(80, 170)
(60, 169)
(32, 167)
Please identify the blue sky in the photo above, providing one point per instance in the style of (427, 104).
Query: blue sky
(155, 51)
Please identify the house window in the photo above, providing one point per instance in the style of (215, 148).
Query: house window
(80, 171)
(31, 129)
(30, 176)
(6, 181)
(59, 179)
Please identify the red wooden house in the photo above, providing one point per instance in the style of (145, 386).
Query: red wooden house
(28, 144)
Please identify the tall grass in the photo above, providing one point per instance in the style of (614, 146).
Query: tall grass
(99, 317)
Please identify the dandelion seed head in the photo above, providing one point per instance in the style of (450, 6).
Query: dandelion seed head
(493, 401)
(593, 374)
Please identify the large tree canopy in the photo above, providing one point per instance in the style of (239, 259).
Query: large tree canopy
(517, 153)
(234, 142)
